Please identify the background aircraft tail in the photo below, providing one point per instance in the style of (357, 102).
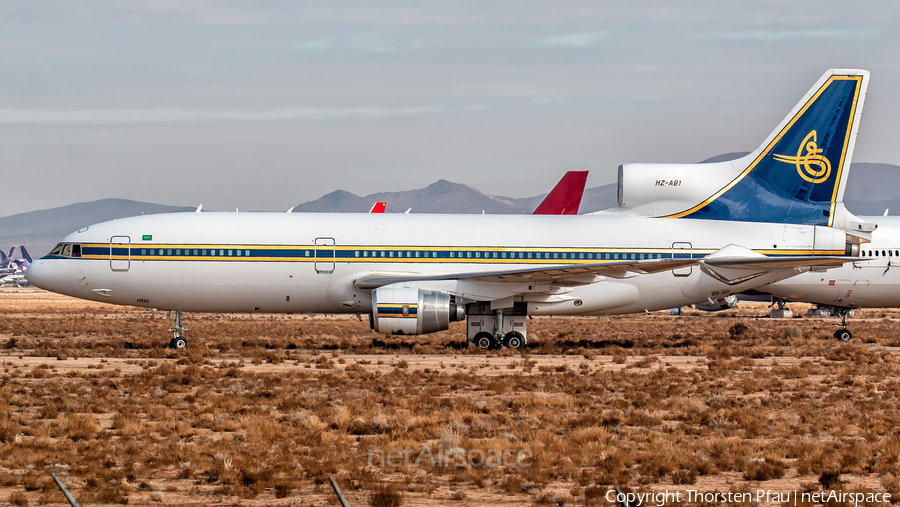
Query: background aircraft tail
(565, 198)
(24, 254)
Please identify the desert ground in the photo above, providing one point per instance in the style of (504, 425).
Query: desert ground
(262, 409)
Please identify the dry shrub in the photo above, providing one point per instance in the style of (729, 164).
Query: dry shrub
(18, 499)
(892, 486)
(683, 476)
(830, 479)
(737, 330)
(51, 496)
(283, 488)
(79, 426)
(109, 494)
(8, 430)
(512, 485)
(386, 495)
(766, 470)
(31, 482)
(792, 333)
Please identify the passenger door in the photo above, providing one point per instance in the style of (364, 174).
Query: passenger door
(324, 255)
(682, 251)
(120, 253)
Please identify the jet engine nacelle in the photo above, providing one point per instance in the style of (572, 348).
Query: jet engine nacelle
(404, 310)
(718, 305)
(662, 189)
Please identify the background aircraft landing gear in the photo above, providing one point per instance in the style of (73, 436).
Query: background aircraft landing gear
(178, 341)
(843, 334)
(782, 312)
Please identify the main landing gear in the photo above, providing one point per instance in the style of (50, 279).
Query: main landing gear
(491, 329)
(843, 334)
(178, 340)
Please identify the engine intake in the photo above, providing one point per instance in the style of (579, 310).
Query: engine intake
(403, 310)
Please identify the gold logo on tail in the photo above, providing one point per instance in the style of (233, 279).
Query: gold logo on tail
(812, 166)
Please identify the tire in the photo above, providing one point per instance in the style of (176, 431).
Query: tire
(179, 343)
(485, 340)
(843, 335)
(514, 340)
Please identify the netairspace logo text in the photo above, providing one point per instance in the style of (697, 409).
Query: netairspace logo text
(458, 457)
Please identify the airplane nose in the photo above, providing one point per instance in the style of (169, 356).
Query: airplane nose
(37, 274)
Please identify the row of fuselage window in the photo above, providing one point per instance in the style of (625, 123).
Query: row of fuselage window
(411, 254)
(884, 253)
(74, 250)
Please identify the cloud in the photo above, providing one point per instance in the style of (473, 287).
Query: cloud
(778, 35)
(575, 40)
(119, 116)
(317, 44)
(368, 42)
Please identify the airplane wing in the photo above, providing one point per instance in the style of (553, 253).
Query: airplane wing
(584, 274)
(570, 275)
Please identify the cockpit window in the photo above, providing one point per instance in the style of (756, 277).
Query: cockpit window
(67, 250)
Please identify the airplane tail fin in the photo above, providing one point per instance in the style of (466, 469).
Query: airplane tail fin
(25, 255)
(378, 207)
(565, 198)
(799, 173)
(2, 258)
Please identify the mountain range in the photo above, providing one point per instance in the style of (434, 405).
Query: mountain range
(871, 189)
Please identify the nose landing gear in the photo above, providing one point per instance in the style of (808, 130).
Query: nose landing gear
(178, 340)
(843, 334)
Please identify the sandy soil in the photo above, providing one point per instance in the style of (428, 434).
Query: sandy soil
(260, 410)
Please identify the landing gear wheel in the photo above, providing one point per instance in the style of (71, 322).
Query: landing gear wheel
(179, 342)
(843, 335)
(514, 340)
(485, 340)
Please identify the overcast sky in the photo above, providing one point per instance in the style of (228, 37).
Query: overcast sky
(264, 105)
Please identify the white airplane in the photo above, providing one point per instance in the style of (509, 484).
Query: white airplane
(870, 282)
(415, 274)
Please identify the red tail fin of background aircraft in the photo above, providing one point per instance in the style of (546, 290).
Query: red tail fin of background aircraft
(378, 207)
(565, 198)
